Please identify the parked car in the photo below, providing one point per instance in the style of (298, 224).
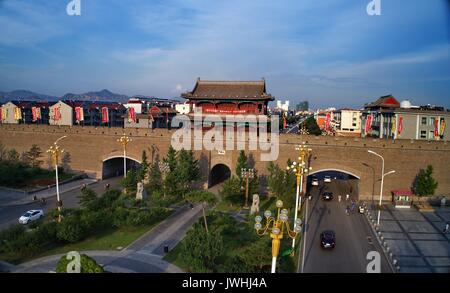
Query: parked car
(327, 179)
(327, 195)
(315, 182)
(328, 239)
(31, 216)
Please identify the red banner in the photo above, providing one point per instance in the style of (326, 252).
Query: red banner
(79, 114)
(368, 124)
(284, 121)
(36, 112)
(436, 127)
(131, 114)
(400, 125)
(328, 122)
(56, 114)
(105, 116)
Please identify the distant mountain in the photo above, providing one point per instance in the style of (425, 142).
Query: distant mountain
(24, 95)
(103, 95)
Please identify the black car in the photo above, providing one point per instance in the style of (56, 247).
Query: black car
(327, 195)
(327, 239)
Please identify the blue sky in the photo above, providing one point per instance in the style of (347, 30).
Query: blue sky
(329, 52)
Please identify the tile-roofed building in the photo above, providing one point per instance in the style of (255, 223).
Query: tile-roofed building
(229, 97)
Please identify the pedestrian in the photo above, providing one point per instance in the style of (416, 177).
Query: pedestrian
(353, 205)
(447, 227)
(347, 210)
(347, 197)
(339, 198)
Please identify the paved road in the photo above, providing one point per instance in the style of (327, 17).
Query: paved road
(296, 127)
(352, 233)
(10, 215)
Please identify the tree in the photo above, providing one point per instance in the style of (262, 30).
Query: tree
(65, 161)
(200, 250)
(311, 125)
(188, 169)
(3, 152)
(13, 156)
(242, 162)
(143, 169)
(231, 190)
(130, 181)
(171, 158)
(87, 197)
(255, 255)
(282, 183)
(155, 179)
(425, 183)
(33, 156)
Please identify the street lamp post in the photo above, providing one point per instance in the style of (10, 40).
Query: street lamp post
(277, 227)
(382, 181)
(164, 168)
(55, 151)
(299, 169)
(124, 140)
(247, 174)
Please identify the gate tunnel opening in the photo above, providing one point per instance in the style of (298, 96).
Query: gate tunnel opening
(219, 173)
(342, 183)
(113, 167)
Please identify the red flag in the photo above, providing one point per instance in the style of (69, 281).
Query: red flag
(105, 116)
(368, 123)
(284, 121)
(400, 125)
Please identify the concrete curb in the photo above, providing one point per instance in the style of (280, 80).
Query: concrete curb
(393, 263)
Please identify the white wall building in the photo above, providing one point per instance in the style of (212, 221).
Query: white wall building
(283, 106)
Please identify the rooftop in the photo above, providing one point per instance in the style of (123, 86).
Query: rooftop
(221, 89)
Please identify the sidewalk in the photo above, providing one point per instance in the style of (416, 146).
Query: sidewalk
(9, 198)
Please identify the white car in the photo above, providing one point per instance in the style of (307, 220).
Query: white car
(315, 182)
(327, 179)
(361, 209)
(31, 216)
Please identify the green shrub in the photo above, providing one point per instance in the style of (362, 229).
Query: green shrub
(88, 265)
(71, 230)
(201, 196)
(9, 236)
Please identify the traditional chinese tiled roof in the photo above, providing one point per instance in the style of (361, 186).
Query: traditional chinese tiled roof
(385, 102)
(235, 90)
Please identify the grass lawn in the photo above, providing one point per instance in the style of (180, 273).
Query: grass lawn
(108, 239)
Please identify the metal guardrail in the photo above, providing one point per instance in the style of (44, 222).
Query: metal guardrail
(371, 218)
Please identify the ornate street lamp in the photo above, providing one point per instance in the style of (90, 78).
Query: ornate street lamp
(55, 151)
(124, 141)
(299, 169)
(247, 174)
(277, 227)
